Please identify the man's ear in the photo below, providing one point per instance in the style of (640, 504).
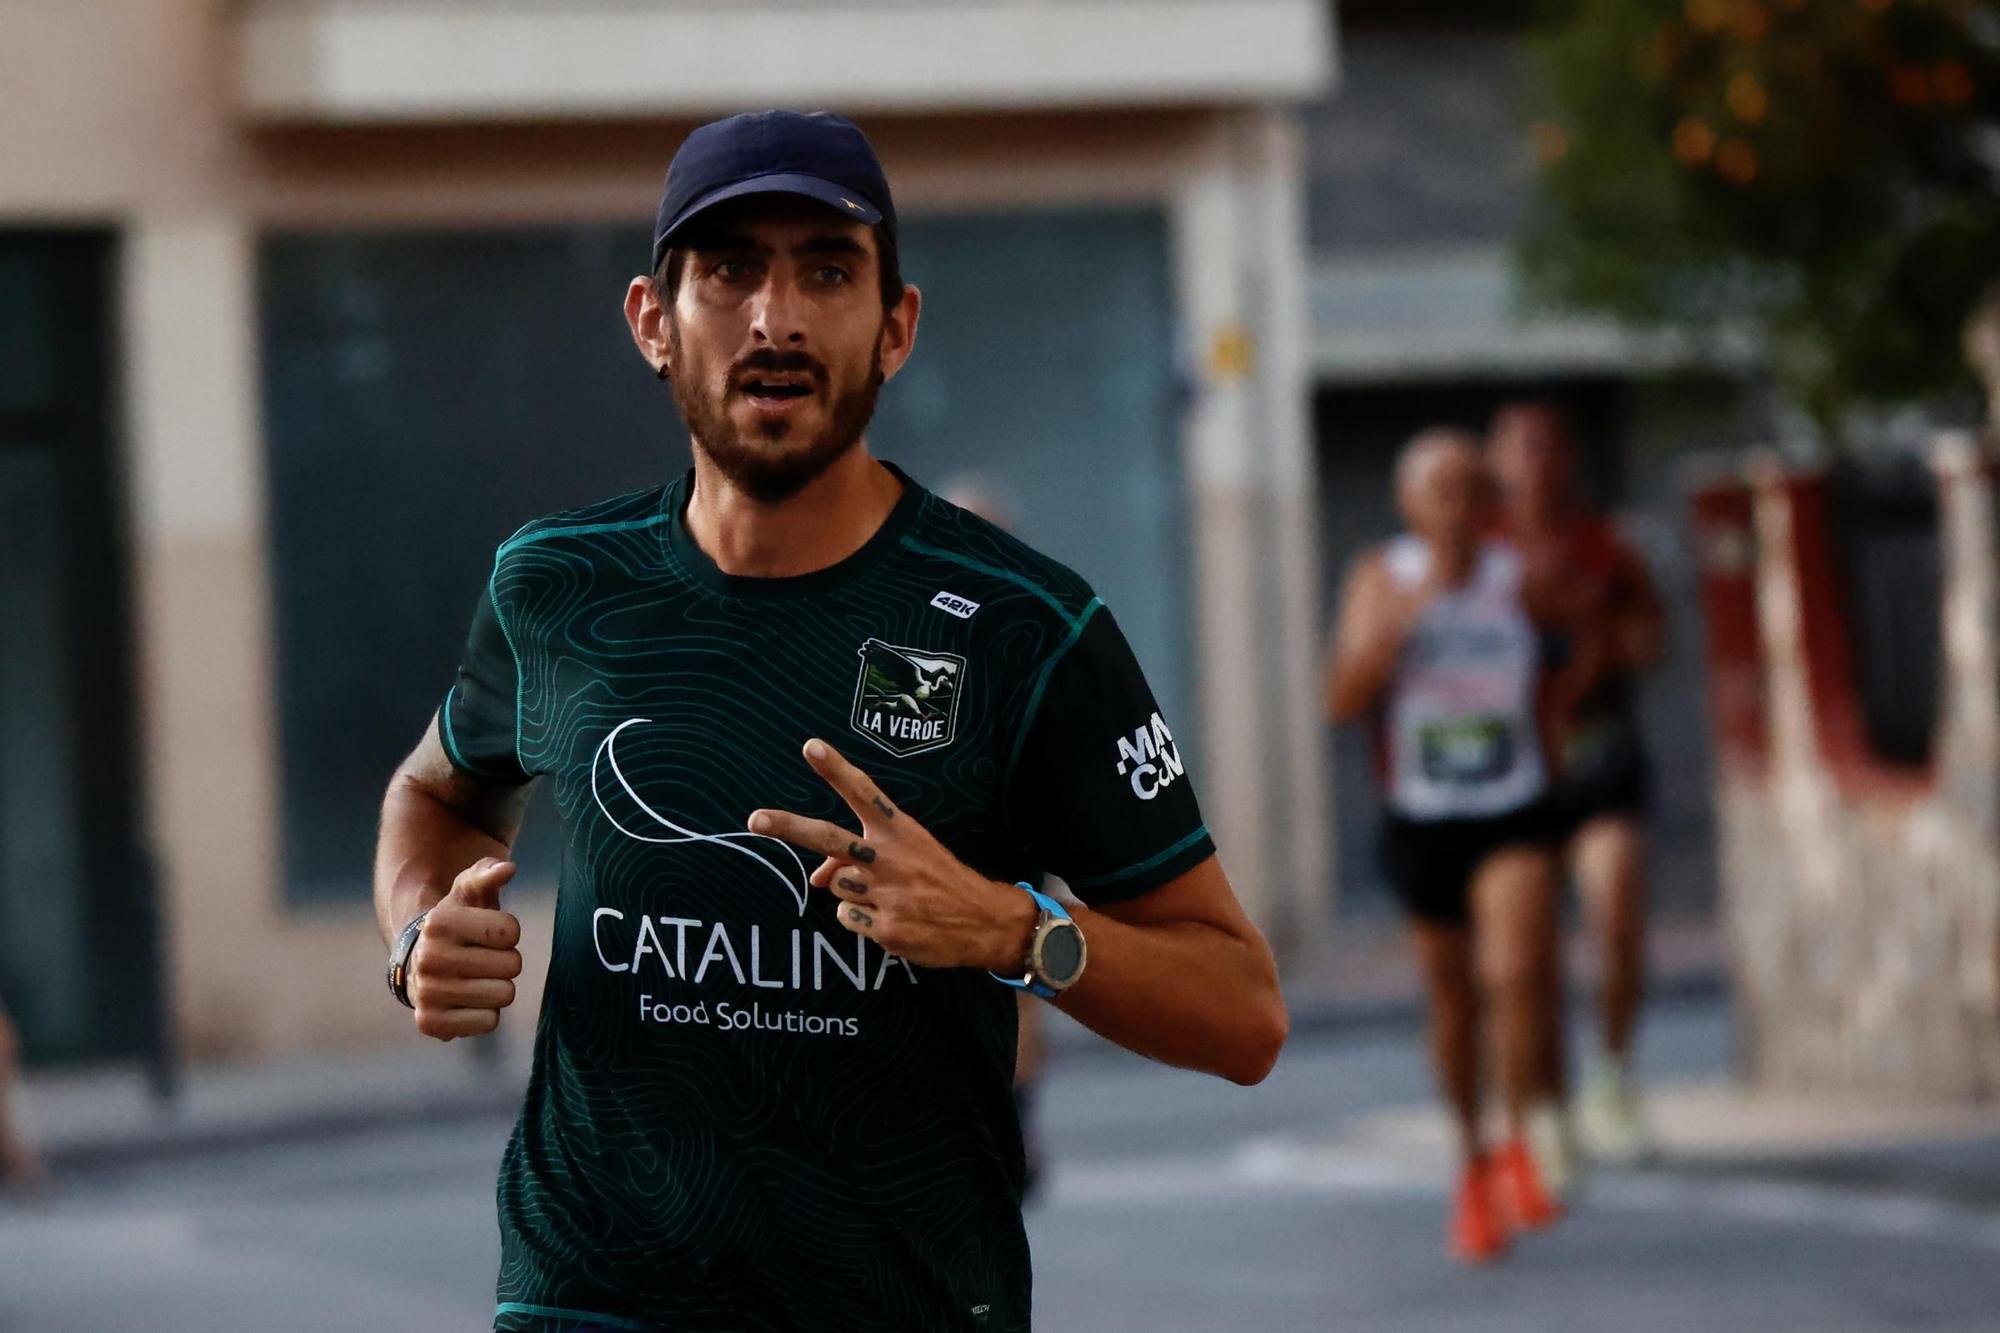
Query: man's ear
(899, 331)
(647, 318)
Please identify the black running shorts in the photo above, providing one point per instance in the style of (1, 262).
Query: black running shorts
(1432, 862)
(1604, 773)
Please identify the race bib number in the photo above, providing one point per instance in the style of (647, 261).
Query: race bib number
(1466, 751)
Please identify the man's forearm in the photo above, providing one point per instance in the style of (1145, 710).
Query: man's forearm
(422, 847)
(1187, 993)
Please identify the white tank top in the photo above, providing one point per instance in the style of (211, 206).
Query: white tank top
(1463, 743)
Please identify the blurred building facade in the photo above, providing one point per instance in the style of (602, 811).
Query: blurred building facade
(306, 304)
(1854, 667)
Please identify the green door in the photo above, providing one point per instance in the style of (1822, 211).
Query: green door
(76, 942)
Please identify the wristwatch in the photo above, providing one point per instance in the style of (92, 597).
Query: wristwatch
(1056, 951)
(399, 959)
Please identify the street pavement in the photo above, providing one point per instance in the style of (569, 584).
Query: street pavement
(1176, 1204)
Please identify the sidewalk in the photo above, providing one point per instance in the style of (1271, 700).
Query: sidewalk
(1710, 1123)
(1943, 1156)
(104, 1117)
(94, 1118)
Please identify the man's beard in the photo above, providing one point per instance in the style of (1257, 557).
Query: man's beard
(763, 471)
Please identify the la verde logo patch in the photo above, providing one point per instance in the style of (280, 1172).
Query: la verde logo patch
(906, 699)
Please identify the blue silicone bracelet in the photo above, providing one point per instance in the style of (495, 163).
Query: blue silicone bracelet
(1028, 983)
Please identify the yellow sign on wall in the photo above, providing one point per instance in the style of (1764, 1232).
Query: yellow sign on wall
(1233, 353)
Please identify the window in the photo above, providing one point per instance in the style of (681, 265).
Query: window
(424, 395)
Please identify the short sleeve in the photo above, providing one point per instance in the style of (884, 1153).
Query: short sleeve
(479, 720)
(1098, 788)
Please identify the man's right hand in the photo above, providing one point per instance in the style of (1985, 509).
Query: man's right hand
(463, 968)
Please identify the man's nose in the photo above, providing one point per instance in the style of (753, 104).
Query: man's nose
(778, 317)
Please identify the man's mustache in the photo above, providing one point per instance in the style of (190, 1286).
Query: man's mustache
(771, 361)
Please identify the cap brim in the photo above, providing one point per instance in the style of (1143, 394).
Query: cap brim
(817, 188)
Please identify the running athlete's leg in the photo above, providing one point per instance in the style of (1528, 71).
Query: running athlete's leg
(1445, 953)
(1551, 1131)
(1611, 871)
(1513, 907)
(1610, 859)
(1553, 1074)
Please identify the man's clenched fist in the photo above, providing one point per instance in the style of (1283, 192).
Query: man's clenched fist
(463, 968)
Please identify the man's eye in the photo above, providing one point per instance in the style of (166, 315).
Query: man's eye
(833, 276)
(731, 270)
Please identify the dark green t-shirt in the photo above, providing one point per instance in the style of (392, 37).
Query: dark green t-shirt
(742, 1116)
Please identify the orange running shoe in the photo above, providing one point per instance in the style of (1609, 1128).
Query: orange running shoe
(1478, 1231)
(1526, 1203)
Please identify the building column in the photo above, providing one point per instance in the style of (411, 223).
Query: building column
(1240, 258)
(202, 605)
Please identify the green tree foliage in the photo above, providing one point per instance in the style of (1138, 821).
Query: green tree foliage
(1826, 171)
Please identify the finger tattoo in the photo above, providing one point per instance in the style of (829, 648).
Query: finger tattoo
(852, 885)
(888, 811)
(862, 852)
(858, 916)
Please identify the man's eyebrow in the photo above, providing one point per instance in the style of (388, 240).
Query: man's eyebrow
(833, 245)
(721, 242)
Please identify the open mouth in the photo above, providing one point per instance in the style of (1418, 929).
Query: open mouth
(775, 391)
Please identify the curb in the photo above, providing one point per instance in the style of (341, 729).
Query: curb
(172, 1137)
(168, 1141)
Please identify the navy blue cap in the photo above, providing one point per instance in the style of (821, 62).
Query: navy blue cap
(816, 154)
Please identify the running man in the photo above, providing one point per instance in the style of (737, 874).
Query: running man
(1610, 617)
(1434, 639)
(809, 728)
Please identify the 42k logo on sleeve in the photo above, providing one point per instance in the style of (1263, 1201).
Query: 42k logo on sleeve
(906, 700)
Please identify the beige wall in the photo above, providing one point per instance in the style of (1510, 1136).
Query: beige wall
(117, 112)
(353, 62)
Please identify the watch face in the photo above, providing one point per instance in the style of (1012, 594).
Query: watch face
(1062, 953)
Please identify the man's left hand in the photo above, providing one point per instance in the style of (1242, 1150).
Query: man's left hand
(898, 885)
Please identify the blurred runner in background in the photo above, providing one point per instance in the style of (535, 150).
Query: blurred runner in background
(1611, 628)
(1436, 641)
(20, 1168)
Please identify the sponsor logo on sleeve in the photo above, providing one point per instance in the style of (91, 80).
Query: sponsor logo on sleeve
(906, 699)
(1150, 759)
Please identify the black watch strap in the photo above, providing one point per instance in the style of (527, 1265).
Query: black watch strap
(399, 959)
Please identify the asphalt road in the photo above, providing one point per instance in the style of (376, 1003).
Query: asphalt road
(1177, 1205)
